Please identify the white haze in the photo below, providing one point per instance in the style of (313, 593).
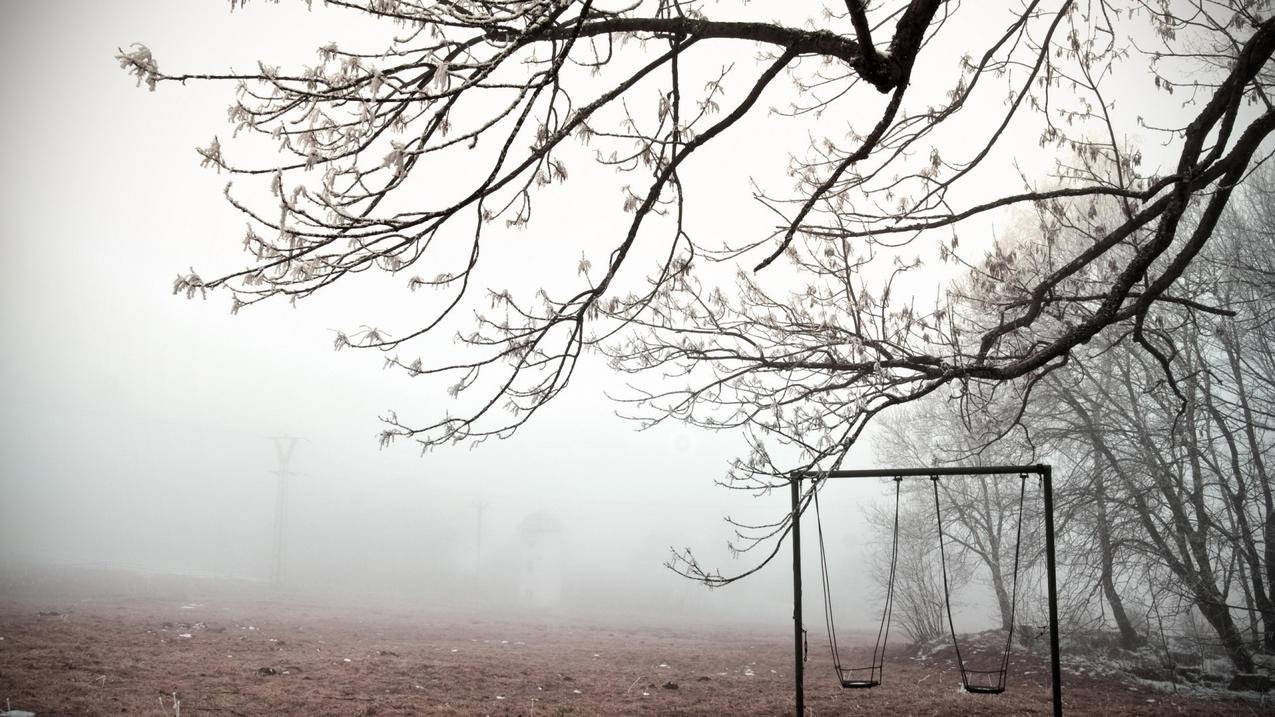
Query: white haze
(135, 423)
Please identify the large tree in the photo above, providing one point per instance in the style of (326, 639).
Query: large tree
(914, 120)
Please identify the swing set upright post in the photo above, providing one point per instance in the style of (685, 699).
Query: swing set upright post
(799, 658)
(1055, 667)
(1046, 474)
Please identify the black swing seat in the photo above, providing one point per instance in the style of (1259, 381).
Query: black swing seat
(984, 689)
(867, 676)
(992, 682)
(854, 683)
(982, 682)
(859, 684)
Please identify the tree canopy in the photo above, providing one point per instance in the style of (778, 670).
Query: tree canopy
(921, 123)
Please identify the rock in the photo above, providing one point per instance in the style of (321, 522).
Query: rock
(1250, 683)
(267, 671)
(670, 685)
(703, 678)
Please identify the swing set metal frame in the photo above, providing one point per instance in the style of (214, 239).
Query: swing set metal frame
(1046, 475)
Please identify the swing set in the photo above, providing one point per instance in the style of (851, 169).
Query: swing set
(867, 676)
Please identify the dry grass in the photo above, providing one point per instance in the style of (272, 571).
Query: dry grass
(118, 656)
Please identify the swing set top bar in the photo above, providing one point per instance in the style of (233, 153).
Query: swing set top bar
(922, 472)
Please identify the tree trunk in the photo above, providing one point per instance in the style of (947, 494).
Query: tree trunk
(1129, 637)
(1219, 617)
(1264, 483)
(1002, 600)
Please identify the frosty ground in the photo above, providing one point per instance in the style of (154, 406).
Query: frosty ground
(228, 649)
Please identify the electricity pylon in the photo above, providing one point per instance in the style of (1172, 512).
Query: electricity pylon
(283, 448)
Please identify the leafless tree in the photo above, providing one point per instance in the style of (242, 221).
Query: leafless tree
(919, 604)
(1162, 451)
(802, 353)
(981, 517)
(1178, 484)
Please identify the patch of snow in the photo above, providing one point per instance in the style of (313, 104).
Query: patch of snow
(184, 634)
(576, 692)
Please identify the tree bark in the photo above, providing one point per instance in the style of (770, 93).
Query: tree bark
(1219, 618)
(1129, 637)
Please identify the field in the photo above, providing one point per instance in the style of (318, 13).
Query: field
(252, 653)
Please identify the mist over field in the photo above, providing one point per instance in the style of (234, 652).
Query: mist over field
(137, 425)
(390, 357)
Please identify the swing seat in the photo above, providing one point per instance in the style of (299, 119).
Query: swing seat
(984, 689)
(983, 682)
(867, 676)
(859, 683)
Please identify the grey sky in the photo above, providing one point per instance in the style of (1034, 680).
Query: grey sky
(134, 422)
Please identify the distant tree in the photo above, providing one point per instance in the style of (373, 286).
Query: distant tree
(919, 604)
(1177, 440)
(980, 514)
(406, 157)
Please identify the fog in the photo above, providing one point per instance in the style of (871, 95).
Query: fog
(137, 425)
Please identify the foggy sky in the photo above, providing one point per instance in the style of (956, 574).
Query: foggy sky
(135, 423)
